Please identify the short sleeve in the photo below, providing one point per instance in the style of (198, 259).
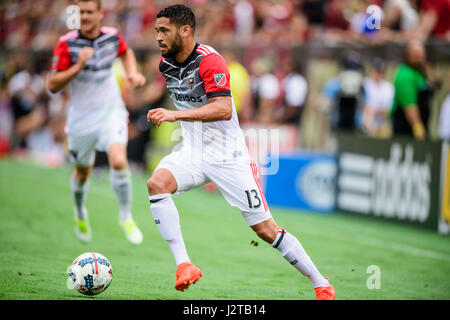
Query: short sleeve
(61, 57)
(215, 75)
(123, 46)
(406, 91)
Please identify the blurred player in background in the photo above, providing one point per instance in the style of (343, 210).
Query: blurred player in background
(213, 149)
(97, 117)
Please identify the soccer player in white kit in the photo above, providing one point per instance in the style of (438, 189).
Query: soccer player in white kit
(97, 118)
(213, 148)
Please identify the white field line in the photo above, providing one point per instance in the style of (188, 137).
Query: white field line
(406, 249)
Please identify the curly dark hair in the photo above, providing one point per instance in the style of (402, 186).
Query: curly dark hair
(178, 14)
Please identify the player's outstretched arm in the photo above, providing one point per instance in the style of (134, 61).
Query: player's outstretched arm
(60, 79)
(135, 78)
(218, 108)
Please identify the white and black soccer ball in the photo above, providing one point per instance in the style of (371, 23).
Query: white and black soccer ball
(90, 273)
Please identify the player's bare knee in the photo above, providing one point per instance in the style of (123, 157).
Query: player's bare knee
(155, 186)
(82, 174)
(118, 163)
(266, 234)
(162, 181)
(266, 230)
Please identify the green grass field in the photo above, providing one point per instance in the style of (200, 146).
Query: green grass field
(38, 243)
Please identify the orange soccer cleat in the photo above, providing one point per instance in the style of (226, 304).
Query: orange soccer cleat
(325, 293)
(187, 274)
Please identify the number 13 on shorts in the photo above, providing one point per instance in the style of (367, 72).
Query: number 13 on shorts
(240, 185)
(254, 201)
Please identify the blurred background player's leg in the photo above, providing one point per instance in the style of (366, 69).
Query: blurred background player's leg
(120, 178)
(79, 185)
(81, 151)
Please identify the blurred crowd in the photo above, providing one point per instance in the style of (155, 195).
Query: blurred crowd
(37, 24)
(267, 90)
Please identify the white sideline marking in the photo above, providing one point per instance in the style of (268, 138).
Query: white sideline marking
(407, 249)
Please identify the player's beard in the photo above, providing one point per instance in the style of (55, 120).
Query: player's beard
(175, 48)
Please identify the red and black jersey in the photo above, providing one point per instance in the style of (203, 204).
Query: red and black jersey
(204, 74)
(108, 46)
(94, 91)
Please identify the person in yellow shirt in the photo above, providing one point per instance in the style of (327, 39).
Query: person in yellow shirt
(240, 85)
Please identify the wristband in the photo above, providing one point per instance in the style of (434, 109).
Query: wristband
(418, 129)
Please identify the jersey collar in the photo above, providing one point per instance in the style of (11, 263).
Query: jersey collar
(188, 59)
(80, 36)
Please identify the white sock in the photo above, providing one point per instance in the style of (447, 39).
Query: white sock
(121, 183)
(79, 194)
(167, 219)
(291, 249)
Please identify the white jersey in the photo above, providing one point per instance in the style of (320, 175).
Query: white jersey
(94, 91)
(379, 94)
(204, 75)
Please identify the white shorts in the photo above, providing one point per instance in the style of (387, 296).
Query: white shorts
(238, 182)
(81, 147)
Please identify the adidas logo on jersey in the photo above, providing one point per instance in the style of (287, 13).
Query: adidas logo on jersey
(186, 97)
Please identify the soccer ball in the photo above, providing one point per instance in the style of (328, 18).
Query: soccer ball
(90, 274)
